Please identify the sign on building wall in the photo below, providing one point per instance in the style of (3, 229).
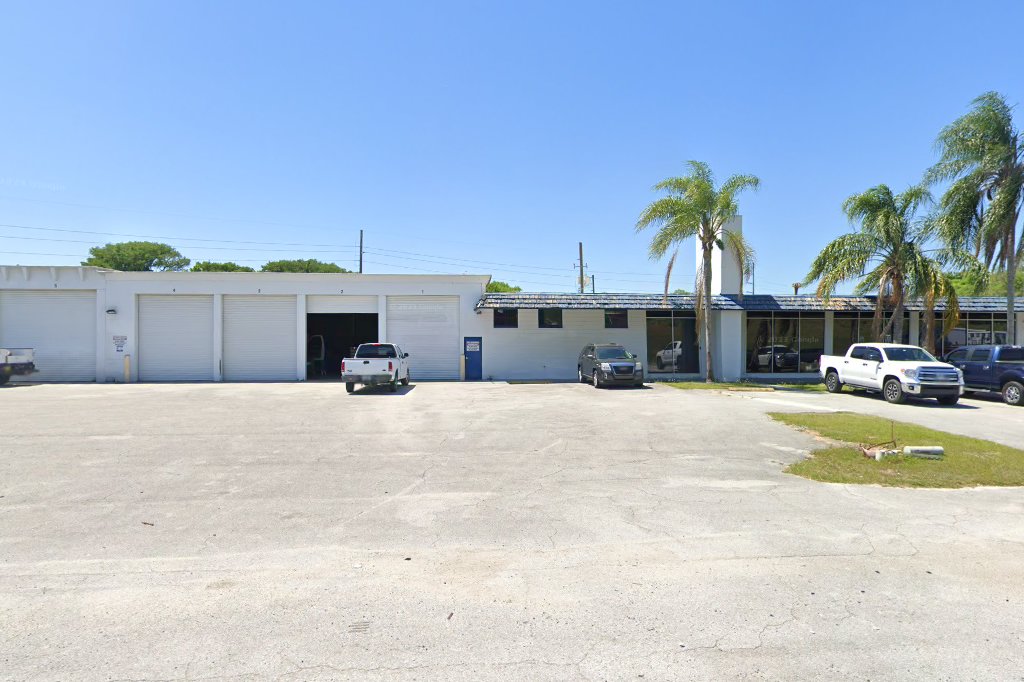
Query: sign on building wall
(119, 343)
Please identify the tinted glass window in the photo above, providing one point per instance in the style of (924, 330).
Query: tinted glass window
(872, 355)
(981, 354)
(857, 353)
(613, 354)
(907, 355)
(958, 355)
(381, 351)
(506, 318)
(1011, 355)
(616, 319)
(549, 319)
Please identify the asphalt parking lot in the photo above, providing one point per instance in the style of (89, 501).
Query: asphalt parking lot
(484, 531)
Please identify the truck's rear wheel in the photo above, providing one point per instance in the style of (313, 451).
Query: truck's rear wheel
(832, 382)
(893, 391)
(1013, 393)
(349, 387)
(393, 384)
(405, 381)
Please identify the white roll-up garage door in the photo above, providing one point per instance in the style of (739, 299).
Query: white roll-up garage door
(427, 328)
(175, 338)
(341, 304)
(59, 325)
(259, 338)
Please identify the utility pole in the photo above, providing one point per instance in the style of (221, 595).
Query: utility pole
(360, 252)
(582, 281)
(593, 284)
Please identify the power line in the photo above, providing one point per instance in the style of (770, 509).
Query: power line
(150, 236)
(81, 256)
(200, 248)
(388, 253)
(449, 272)
(166, 213)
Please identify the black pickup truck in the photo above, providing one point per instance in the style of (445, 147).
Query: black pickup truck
(992, 368)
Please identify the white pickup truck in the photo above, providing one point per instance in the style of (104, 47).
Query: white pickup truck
(16, 361)
(897, 371)
(375, 364)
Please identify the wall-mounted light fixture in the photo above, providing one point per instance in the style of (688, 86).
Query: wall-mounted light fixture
(111, 311)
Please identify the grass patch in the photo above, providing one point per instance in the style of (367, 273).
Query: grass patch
(743, 386)
(718, 386)
(968, 461)
(810, 388)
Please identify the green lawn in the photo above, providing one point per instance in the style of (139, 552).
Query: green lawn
(743, 386)
(968, 461)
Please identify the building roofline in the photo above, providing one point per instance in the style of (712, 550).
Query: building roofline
(750, 303)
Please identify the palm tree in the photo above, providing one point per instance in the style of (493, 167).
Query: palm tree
(931, 283)
(694, 207)
(982, 153)
(885, 255)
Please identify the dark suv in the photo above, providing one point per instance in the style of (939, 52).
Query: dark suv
(992, 368)
(609, 364)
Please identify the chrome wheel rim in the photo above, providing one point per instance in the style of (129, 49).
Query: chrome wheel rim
(892, 391)
(831, 382)
(1013, 394)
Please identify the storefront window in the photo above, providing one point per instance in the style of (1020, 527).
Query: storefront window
(972, 329)
(844, 332)
(812, 341)
(999, 335)
(672, 342)
(784, 342)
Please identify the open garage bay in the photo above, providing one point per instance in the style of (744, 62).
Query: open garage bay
(477, 531)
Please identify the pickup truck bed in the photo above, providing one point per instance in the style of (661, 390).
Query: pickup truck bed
(375, 364)
(16, 362)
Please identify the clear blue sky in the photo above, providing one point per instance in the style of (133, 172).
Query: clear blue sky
(471, 131)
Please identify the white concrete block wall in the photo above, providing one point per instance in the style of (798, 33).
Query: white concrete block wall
(531, 353)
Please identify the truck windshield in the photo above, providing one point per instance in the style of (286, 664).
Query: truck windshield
(376, 351)
(613, 354)
(908, 355)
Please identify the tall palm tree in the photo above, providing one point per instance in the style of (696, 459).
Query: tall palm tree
(694, 207)
(886, 255)
(931, 283)
(982, 153)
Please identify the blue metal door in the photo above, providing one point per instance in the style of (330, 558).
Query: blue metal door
(472, 347)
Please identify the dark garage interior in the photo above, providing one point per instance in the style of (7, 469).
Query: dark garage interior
(330, 337)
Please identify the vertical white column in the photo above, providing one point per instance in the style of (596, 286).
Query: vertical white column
(915, 328)
(830, 319)
(729, 355)
(382, 319)
(218, 337)
(300, 337)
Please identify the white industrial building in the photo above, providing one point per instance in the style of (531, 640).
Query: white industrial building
(88, 324)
